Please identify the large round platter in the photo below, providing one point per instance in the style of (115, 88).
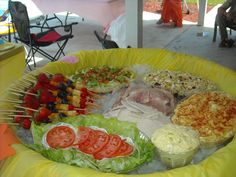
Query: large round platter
(27, 163)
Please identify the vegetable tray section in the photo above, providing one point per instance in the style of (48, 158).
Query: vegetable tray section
(28, 163)
(83, 153)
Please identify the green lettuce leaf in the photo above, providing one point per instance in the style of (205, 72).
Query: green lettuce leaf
(144, 149)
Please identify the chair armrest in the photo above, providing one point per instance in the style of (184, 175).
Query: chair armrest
(53, 27)
(33, 26)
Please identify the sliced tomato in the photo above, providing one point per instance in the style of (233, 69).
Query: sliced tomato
(87, 146)
(83, 134)
(96, 141)
(125, 149)
(60, 137)
(110, 148)
(102, 138)
(122, 148)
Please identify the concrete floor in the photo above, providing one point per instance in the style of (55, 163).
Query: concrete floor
(187, 39)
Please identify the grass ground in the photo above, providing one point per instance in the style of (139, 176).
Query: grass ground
(209, 2)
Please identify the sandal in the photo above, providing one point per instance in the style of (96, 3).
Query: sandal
(160, 21)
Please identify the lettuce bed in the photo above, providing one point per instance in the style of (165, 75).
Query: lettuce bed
(144, 149)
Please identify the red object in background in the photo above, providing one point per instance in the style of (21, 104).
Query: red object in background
(172, 10)
(7, 138)
(155, 6)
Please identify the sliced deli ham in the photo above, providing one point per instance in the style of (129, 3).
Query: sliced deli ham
(156, 98)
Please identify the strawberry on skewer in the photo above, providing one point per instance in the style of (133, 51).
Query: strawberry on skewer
(17, 119)
(43, 78)
(58, 78)
(45, 96)
(42, 115)
(26, 123)
(31, 101)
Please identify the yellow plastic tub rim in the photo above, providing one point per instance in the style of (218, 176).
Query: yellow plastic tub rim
(28, 163)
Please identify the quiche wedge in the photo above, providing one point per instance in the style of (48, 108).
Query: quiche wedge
(212, 114)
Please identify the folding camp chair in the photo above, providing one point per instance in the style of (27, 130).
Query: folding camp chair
(36, 41)
(106, 44)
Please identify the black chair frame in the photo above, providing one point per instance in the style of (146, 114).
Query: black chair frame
(36, 46)
(216, 27)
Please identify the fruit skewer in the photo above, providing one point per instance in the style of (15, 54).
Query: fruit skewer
(36, 94)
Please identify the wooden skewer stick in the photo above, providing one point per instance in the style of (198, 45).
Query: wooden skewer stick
(93, 105)
(8, 110)
(27, 84)
(6, 113)
(29, 80)
(19, 115)
(12, 101)
(16, 88)
(47, 72)
(22, 107)
(95, 95)
(32, 76)
(23, 92)
(35, 73)
(5, 118)
(19, 84)
(18, 94)
(9, 123)
(79, 109)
